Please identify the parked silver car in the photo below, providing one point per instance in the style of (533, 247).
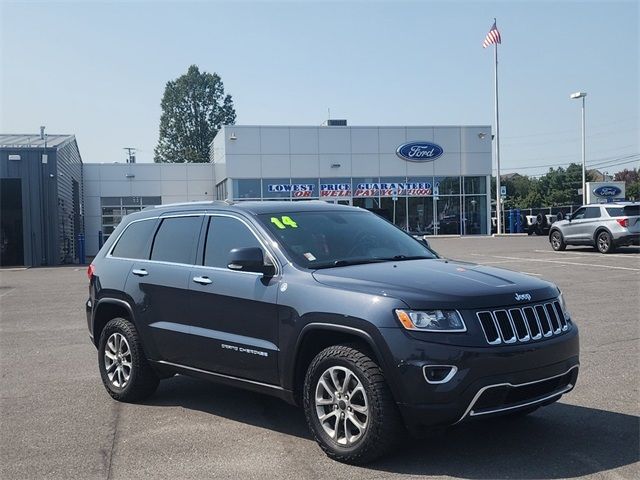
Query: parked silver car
(604, 227)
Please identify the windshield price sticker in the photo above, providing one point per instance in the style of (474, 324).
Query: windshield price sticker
(283, 222)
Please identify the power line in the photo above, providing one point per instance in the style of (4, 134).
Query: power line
(625, 162)
(594, 162)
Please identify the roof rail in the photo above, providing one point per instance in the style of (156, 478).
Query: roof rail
(199, 202)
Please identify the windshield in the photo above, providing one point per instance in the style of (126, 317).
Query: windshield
(338, 238)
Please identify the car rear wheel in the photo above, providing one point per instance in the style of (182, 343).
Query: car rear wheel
(604, 242)
(557, 242)
(124, 369)
(349, 407)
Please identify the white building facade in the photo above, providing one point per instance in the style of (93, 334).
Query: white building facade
(428, 180)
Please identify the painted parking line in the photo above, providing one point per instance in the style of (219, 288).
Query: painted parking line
(594, 254)
(561, 262)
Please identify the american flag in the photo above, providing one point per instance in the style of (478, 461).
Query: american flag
(492, 37)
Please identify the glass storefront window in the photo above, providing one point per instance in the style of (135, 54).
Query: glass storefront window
(420, 215)
(419, 186)
(305, 188)
(335, 188)
(368, 203)
(114, 208)
(247, 188)
(366, 187)
(459, 208)
(475, 213)
(447, 185)
(475, 185)
(390, 184)
(395, 212)
(284, 188)
(448, 215)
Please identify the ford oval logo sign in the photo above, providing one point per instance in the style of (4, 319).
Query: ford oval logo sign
(607, 191)
(419, 151)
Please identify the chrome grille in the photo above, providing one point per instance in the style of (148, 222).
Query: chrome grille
(522, 324)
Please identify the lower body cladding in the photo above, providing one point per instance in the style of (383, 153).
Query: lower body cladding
(625, 240)
(437, 384)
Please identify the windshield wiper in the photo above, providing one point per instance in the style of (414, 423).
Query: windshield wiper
(408, 257)
(355, 261)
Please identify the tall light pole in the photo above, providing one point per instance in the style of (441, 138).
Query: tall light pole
(575, 96)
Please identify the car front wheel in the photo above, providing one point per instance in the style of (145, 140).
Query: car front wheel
(557, 242)
(349, 407)
(124, 369)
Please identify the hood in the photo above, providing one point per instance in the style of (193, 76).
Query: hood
(439, 283)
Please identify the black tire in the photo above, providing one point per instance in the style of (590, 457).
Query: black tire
(383, 423)
(541, 220)
(559, 216)
(557, 242)
(142, 380)
(604, 242)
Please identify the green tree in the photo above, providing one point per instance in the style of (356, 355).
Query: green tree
(627, 176)
(633, 190)
(194, 107)
(560, 186)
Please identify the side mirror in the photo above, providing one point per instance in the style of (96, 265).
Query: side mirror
(567, 217)
(425, 242)
(249, 259)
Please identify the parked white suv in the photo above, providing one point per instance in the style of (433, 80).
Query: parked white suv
(604, 227)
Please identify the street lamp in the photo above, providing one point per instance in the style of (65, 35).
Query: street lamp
(575, 96)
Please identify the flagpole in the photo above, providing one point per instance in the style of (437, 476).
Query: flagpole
(497, 118)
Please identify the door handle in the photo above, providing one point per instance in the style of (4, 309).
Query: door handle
(141, 272)
(202, 280)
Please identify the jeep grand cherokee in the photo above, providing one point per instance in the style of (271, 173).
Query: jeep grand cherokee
(328, 307)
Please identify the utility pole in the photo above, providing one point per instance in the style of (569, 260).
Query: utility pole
(131, 154)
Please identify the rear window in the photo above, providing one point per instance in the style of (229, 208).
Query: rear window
(626, 211)
(133, 242)
(176, 240)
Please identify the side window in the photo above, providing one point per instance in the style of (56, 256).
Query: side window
(614, 211)
(592, 212)
(176, 240)
(579, 215)
(223, 235)
(133, 241)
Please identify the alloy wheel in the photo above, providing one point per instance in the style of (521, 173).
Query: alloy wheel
(117, 360)
(341, 405)
(603, 242)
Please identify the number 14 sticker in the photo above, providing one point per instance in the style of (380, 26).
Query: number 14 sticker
(283, 222)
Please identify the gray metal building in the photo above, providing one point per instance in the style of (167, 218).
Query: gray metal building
(41, 206)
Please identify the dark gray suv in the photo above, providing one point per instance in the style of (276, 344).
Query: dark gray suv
(328, 307)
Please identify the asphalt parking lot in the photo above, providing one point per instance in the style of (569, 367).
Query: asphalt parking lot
(58, 422)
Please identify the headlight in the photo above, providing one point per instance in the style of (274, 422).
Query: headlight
(563, 305)
(431, 320)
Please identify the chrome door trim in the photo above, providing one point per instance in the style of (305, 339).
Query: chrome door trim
(221, 375)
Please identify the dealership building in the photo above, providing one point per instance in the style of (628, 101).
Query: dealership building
(427, 180)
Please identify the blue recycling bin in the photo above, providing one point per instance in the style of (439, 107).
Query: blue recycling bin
(81, 255)
(512, 220)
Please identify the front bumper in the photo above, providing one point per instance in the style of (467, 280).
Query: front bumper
(489, 380)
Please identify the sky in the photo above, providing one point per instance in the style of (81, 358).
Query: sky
(98, 70)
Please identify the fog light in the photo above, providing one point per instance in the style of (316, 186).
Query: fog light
(436, 374)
